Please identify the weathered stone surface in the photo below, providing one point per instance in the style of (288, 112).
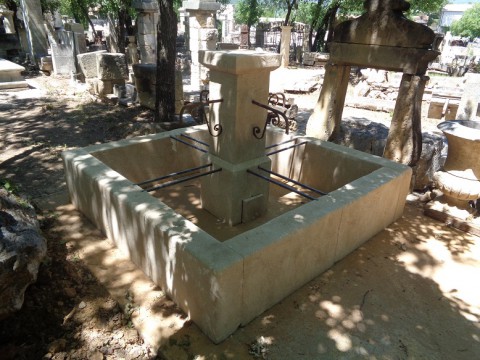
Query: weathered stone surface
(371, 137)
(430, 161)
(105, 87)
(22, 248)
(468, 108)
(363, 135)
(404, 144)
(112, 66)
(384, 24)
(88, 63)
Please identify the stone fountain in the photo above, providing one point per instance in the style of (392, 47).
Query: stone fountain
(230, 217)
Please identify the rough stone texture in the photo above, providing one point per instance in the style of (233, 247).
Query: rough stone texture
(430, 161)
(63, 53)
(371, 137)
(88, 63)
(404, 143)
(384, 24)
(112, 66)
(105, 87)
(468, 107)
(35, 27)
(363, 135)
(22, 248)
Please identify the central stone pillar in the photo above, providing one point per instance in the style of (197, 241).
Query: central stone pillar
(237, 77)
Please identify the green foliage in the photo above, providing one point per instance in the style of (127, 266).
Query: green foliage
(248, 12)
(469, 23)
(9, 186)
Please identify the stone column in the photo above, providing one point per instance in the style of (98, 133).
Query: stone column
(7, 20)
(33, 19)
(327, 114)
(468, 107)
(147, 21)
(132, 51)
(237, 77)
(404, 142)
(285, 44)
(202, 35)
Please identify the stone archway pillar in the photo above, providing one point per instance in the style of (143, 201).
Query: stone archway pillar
(327, 114)
(285, 44)
(404, 142)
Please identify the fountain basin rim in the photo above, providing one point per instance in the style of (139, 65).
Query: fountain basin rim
(465, 129)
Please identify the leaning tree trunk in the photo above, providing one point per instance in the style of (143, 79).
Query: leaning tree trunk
(166, 53)
(122, 16)
(329, 18)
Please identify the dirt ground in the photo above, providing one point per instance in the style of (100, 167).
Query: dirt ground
(411, 292)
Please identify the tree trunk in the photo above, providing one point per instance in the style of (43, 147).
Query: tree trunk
(329, 18)
(166, 53)
(122, 15)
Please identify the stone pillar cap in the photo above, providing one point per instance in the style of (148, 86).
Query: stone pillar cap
(239, 61)
(207, 5)
(145, 5)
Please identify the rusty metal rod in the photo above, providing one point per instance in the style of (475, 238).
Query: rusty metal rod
(287, 148)
(278, 144)
(293, 181)
(175, 182)
(290, 188)
(193, 139)
(188, 144)
(174, 174)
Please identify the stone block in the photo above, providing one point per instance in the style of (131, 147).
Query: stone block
(88, 63)
(112, 66)
(105, 87)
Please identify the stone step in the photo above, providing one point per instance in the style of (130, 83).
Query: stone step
(10, 72)
(13, 85)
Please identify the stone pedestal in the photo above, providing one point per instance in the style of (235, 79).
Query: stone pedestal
(285, 44)
(147, 21)
(202, 35)
(237, 77)
(459, 180)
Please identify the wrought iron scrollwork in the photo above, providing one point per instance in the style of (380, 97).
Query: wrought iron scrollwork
(273, 117)
(199, 109)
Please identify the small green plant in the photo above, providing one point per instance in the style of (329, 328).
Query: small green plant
(9, 186)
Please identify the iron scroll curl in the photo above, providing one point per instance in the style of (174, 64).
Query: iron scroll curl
(273, 117)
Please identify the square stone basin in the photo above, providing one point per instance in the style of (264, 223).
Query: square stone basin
(221, 276)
